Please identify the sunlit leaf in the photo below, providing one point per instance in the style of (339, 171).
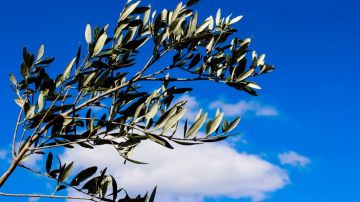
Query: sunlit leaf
(88, 36)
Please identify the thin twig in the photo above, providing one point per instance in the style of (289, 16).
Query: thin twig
(48, 176)
(182, 79)
(15, 133)
(46, 196)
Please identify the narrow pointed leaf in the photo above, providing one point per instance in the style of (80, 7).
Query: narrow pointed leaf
(49, 162)
(67, 71)
(159, 140)
(40, 52)
(216, 123)
(100, 44)
(232, 125)
(88, 36)
(196, 126)
(83, 175)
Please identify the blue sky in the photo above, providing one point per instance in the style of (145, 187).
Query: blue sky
(314, 45)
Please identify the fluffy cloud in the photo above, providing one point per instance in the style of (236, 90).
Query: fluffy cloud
(187, 173)
(243, 107)
(294, 159)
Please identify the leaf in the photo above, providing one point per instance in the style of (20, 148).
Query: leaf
(67, 71)
(152, 111)
(185, 126)
(216, 123)
(61, 187)
(88, 35)
(13, 79)
(49, 162)
(185, 142)
(193, 23)
(137, 111)
(132, 160)
(66, 172)
(78, 56)
(235, 20)
(128, 10)
(24, 69)
(209, 45)
(232, 125)
(196, 59)
(159, 140)
(192, 2)
(164, 118)
(245, 75)
(46, 61)
(218, 16)
(41, 100)
(225, 125)
(88, 79)
(20, 102)
(114, 188)
(83, 175)
(30, 113)
(152, 197)
(174, 119)
(253, 85)
(204, 25)
(176, 11)
(198, 115)
(100, 44)
(40, 52)
(196, 126)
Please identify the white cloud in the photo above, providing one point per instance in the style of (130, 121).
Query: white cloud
(3, 154)
(187, 173)
(244, 107)
(294, 159)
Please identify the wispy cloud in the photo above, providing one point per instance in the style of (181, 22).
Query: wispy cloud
(192, 106)
(3, 154)
(243, 107)
(34, 161)
(33, 199)
(294, 159)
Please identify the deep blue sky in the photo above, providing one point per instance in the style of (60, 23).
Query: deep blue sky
(314, 45)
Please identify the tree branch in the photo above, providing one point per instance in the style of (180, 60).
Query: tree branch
(46, 196)
(183, 79)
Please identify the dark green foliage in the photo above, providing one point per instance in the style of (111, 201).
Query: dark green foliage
(56, 109)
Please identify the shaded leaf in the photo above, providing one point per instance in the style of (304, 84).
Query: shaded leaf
(65, 172)
(152, 196)
(49, 162)
(159, 140)
(83, 175)
(232, 125)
